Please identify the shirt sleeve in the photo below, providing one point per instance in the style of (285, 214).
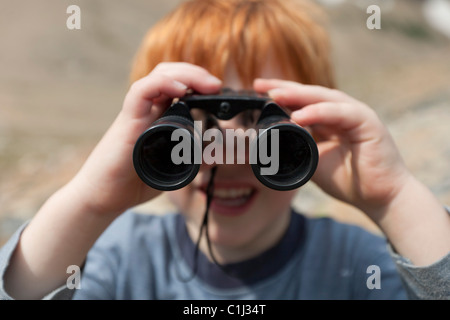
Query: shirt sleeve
(430, 282)
(61, 293)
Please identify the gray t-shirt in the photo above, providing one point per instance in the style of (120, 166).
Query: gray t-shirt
(144, 256)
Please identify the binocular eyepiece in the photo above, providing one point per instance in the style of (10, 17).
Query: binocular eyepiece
(168, 155)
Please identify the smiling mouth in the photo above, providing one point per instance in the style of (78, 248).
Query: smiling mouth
(233, 197)
(232, 201)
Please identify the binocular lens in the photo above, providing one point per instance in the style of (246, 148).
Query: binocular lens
(297, 158)
(154, 164)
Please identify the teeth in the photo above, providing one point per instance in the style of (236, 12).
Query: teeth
(232, 193)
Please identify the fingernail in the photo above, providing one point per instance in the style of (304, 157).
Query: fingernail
(180, 85)
(297, 113)
(274, 93)
(214, 80)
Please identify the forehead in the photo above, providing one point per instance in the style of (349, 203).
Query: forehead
(270, 69)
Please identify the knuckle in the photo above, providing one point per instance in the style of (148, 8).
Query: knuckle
(162, 66)
(339, 94)
(136, 86)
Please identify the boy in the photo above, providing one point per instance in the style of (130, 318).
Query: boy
(260, 248)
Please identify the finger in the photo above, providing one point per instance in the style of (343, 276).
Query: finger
(264, 85)
(323, 133)
(139, 99)
(357, 119)
(169, 80)
(195, 77)
(295, 95)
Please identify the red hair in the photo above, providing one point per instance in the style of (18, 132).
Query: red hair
(214, 33)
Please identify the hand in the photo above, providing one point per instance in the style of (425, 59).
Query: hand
(108, 181)
(71, 220)
(358, 160)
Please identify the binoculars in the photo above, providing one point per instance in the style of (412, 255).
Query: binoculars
(290, 146)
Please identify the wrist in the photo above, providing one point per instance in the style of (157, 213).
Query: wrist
(416, 223)
(395, 200)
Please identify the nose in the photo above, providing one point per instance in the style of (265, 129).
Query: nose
(226, 144)
(236, 142)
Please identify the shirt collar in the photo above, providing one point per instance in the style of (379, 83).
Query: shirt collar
(246, 272)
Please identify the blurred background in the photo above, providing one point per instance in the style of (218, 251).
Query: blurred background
(60, 89)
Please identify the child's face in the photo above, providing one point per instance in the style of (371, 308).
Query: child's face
(244, 214)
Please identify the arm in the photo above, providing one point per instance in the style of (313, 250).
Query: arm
(360, 164)
(68, 224)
